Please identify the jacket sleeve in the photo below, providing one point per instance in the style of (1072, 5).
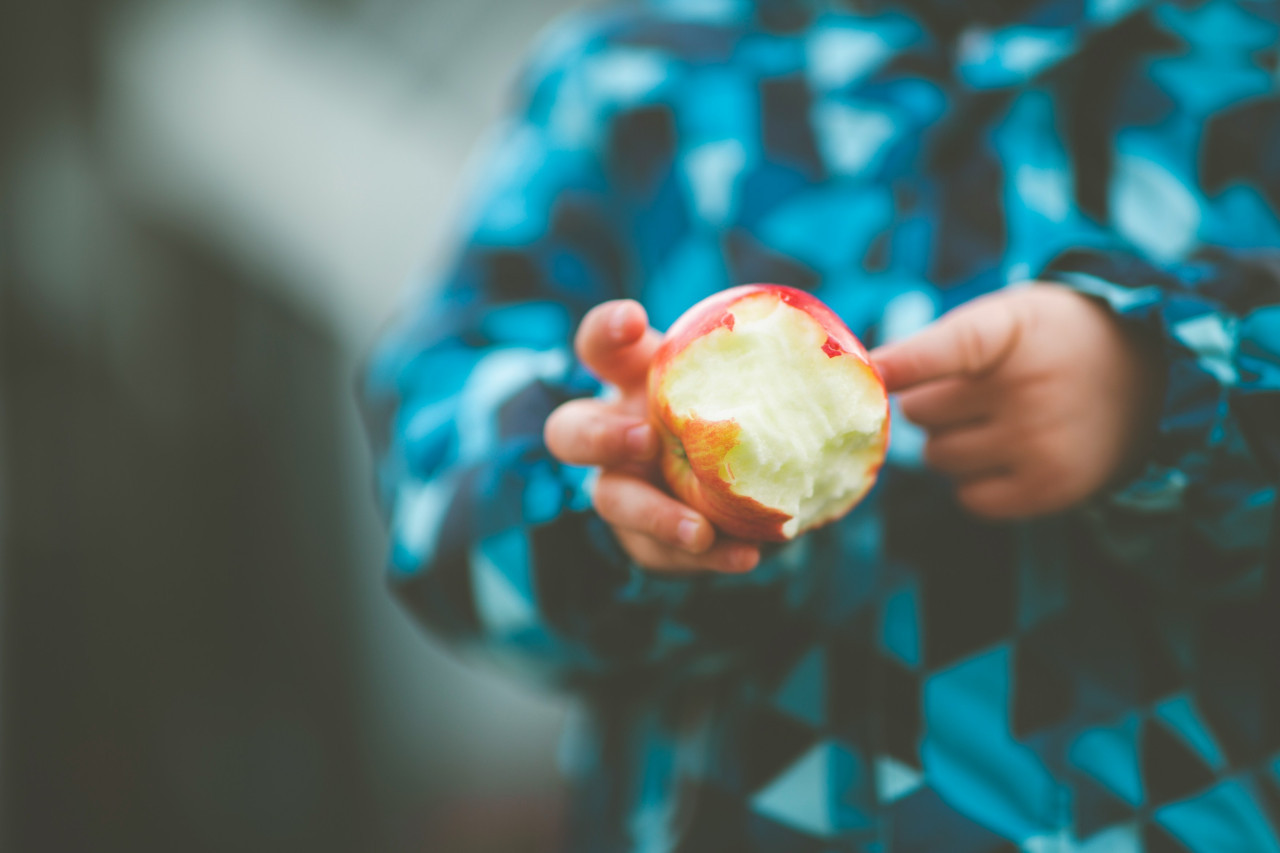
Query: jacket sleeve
(494, 545)
(1193, 263)
(1200, 509)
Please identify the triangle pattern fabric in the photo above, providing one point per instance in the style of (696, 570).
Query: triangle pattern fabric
(966, 711)
(1118, 839)
(900, 626)
(1042, 689)
(923, 820)
(717, 822)
(810, 795)
(777, 741)
(1096, 808)
(1179, 714)
(500, 578)
(803, 695)
(903, 720)
(895, 779)
(1109, 754)
(1157, 670)
(765, 833)
(1156, 840)
(1229, 816)
(1269, 793)
(801, 796)
(1170, 769)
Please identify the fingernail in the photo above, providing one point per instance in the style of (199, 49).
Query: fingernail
(640, 441)
(687, 532)
(618, 323)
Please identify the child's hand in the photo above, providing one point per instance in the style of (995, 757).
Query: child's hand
(616, 344)
(1033, 398)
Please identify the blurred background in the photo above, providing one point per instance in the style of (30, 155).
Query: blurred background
(208, 211)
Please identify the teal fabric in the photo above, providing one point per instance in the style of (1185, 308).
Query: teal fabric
(909, 679)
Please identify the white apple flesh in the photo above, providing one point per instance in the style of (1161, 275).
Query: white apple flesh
(772, 417)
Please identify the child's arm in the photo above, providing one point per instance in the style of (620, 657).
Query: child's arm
(1200, 505)
(1154, 405)
(1154, 402)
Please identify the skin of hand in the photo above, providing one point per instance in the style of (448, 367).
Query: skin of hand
(615, 342)
(1034, 398)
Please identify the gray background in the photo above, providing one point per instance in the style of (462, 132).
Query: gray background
(209, 210)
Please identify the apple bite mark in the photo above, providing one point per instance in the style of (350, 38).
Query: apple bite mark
(701, 474)
(780, 421)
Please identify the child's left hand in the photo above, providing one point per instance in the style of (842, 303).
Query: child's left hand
(1034, 398)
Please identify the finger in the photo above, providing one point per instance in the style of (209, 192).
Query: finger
(967, 451)
(631, 504)
(592, 432)
(726, 556)
(997, 497)
(968, 341)
(615, 342)
(946, 404)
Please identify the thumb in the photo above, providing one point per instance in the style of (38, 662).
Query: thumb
(968, 341)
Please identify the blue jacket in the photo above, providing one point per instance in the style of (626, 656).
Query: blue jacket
(909, 679)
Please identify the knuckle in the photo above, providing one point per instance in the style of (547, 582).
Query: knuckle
(972, 344)
(988, 334)
(663, 523)
(574, 431)
(563, 416)
(730, 560)
(934, 452)
(1045, 456)
(605, 499)
(649, 554)
(984, 501)
(945, 453)
(721, 561)
(594, 436)
(638, 548)
(911, 406)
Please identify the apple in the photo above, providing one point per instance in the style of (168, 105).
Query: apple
(773, 420)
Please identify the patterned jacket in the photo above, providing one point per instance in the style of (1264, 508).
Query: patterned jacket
(909, 679)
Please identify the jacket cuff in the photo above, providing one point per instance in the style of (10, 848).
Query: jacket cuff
(1194, 343)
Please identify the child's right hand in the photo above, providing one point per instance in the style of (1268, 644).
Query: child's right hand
(616, 343)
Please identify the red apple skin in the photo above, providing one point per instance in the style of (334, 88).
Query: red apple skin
(693, 479)
(692, 450)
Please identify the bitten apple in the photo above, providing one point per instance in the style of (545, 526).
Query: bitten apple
(773, 420)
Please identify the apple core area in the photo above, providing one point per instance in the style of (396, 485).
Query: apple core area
(809, 414)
